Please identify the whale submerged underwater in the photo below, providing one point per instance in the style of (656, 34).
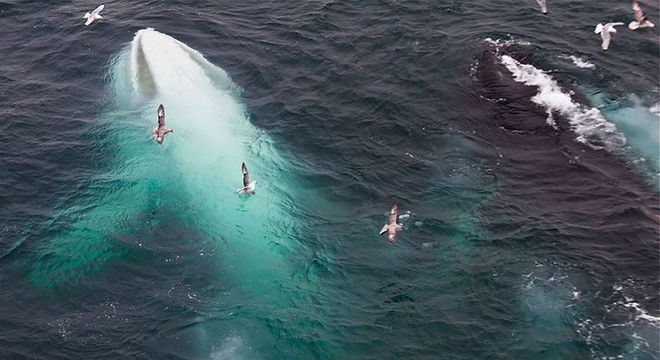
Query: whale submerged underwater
(197, 168)
(567, 167)
(189, 180)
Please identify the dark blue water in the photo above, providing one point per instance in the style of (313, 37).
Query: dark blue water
(527, 185)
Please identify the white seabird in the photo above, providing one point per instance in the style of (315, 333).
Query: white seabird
(392, 227)
(604, 31)
(94, 15)
(544, 7)
(640, 19)
(159, 131)
(248, 187)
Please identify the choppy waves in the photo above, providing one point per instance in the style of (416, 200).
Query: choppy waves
(528, 235)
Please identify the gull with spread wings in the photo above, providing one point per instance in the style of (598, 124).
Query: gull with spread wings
(604, 31)
(392, 227)
(248, 187)
(159, 132)
(641, 21)
(94, 15)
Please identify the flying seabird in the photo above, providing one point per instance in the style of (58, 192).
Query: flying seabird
(604, 31)
(160, 131)
(544, 7)
(392, 227)
(640, 19)
(248, 187)
(94, 15)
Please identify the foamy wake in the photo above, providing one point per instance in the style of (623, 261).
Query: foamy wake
(588, 123)
(630, 303)
(581, 63)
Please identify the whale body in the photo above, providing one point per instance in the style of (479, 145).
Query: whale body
(186, 183)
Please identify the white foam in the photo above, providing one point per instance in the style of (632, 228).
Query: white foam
(641, 313)
(581, 63)
(655, 109)
(500, 42)
(630, 303)
(588, 123)
(550, 119)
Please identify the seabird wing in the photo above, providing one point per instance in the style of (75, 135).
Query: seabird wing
(246, 175)
(394, 212)
(599, 28)
(610, 27)
(544, 7)
(161, 115)
(383, 230)
(89, 20)
(637, 12)
(98, 9)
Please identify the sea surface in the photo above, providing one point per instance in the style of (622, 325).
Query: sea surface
(523, 158)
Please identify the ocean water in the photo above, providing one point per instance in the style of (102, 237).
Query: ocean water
(524, 160)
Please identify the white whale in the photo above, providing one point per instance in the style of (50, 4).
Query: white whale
(185, 185)
(193, 174)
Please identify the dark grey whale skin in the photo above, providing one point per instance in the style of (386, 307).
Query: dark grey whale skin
(541, 169)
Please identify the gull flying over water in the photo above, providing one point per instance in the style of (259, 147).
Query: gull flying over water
(640, 19)
(94, 15)
(544, 7)
(604, 31)
(392, 227)
(248, 187)
(159, 132)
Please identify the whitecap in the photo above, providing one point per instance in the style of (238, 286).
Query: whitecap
(507, 42)
(640, 313)
(579, 62)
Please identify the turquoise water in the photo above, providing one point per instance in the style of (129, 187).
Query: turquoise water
(529, 210)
